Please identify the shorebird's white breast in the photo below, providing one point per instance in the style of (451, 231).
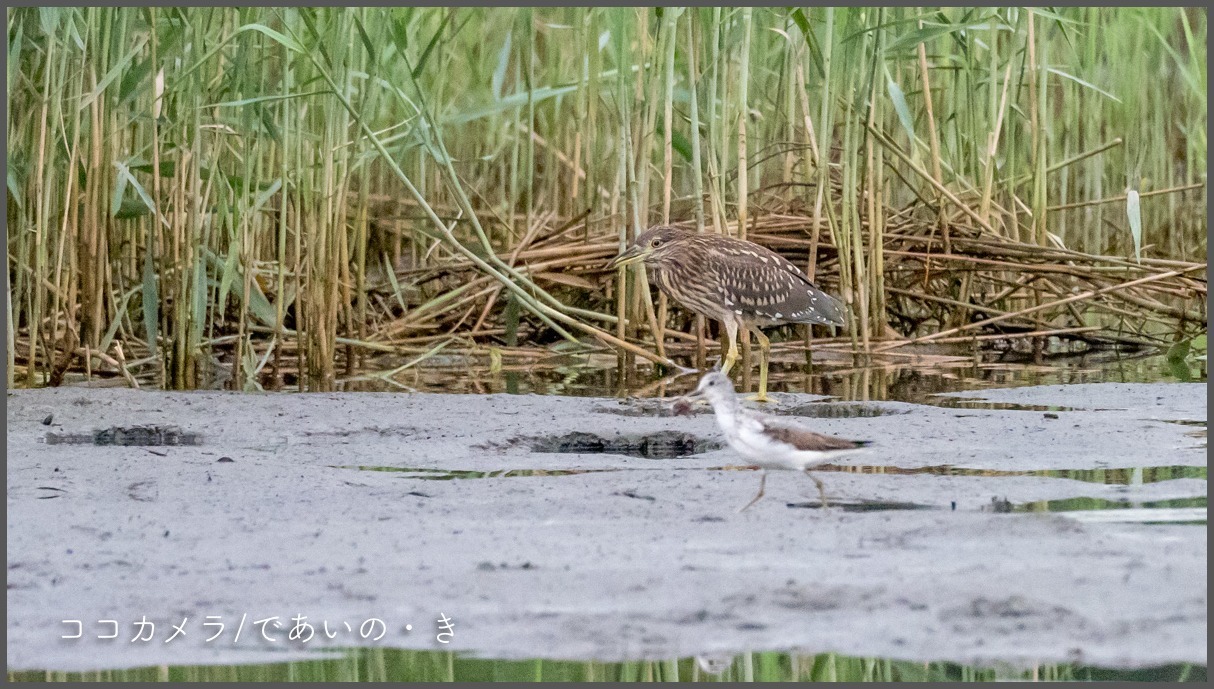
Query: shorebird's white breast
(766, 451)
(745, 433)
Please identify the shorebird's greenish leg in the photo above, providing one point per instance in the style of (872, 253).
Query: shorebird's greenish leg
(762, 487)
(821, 488)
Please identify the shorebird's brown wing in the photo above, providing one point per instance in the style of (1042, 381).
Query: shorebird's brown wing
(807, 440)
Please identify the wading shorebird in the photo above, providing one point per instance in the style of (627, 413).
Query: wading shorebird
(739, 283)
(770, 442)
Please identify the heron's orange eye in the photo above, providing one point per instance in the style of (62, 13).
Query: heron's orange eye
(655, 243)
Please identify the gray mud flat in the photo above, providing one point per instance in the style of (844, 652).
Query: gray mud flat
(126, 504)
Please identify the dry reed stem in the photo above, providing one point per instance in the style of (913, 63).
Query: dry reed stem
(1117, 199)
(1032, 309)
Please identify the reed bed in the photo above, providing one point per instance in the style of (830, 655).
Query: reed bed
(285, 193)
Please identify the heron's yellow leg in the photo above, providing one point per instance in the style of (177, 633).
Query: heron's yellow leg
(764, 359)
(731, 356)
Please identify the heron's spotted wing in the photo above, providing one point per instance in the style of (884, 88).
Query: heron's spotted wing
(756, 280)
(807, 440)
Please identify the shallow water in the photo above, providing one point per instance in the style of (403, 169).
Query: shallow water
(391, 665)
(1134, 476)
(893, 380)
(1177, 511)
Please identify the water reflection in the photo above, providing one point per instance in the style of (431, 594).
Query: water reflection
(395, 665)
(907, 379)
(1189, 508)
(1124, 477)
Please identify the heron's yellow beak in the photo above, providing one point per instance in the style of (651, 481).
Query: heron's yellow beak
(632, 254)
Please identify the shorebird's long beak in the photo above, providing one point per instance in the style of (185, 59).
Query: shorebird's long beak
(630, 255)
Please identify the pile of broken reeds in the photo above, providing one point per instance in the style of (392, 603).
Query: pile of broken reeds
(959, 284)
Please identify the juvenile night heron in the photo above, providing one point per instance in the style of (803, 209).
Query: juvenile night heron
(739, 283)
(770, 442)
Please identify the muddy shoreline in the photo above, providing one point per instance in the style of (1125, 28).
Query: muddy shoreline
(638, 556)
